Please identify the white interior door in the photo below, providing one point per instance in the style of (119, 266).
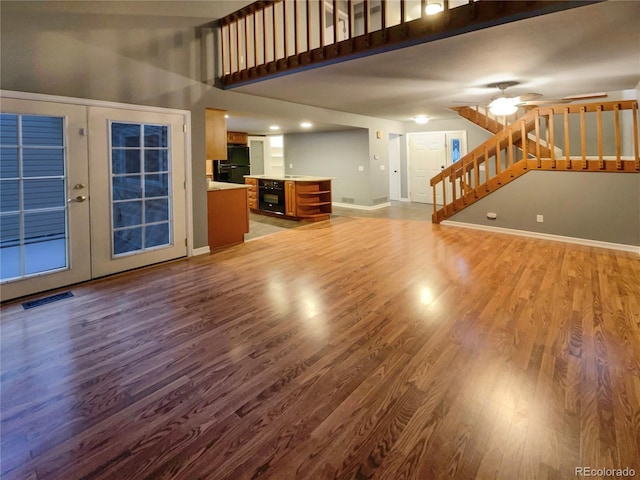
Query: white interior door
(256, 155)
(394, 167)
(44, 185)
(138, 188)
(427, 157)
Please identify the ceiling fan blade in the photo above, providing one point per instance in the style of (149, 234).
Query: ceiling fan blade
(585, 96)
(546, 101)
(529, 96)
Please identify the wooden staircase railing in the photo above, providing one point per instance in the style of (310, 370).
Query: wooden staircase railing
(275, 37)
(598, 129)
(492, 123)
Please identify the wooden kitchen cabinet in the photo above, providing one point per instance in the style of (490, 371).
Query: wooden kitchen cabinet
(237, 138)
(216, 134)
(228, 215)
(252, 192)
(290, 198)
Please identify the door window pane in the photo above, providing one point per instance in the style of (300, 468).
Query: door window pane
(127, 214)
(41, 131)
(140, 209)
(156, 160)
(43, 193)
(156, 136)
(127, 240)
(8, 129)
(125, 135)
(9, 196)
(9, 163)
(125, 161)
(127, 187)
(35, 162)
(33, 207)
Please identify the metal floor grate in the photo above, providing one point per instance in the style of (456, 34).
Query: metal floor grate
(46, 300)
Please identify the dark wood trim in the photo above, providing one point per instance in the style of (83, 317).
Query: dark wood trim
(467, 18)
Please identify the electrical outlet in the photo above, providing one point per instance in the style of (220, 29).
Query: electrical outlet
(539, 218)
(381, 167)
(360, 168)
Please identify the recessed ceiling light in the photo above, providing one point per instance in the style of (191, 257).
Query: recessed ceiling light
(274, 127)
(421, 119)
(306, 125)
(433, 8)
(226, 115)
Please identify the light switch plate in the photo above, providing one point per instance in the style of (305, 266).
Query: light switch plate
(360, 168)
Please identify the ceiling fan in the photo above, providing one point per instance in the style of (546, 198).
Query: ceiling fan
(502, 104)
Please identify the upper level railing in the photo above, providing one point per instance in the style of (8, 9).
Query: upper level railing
(272, 36)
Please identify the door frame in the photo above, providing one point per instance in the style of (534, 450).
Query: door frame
(447, 134)
(395, 168)
(186, 115)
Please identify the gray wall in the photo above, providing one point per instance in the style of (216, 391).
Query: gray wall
(333, 154)
(589, 205)
(65, 48)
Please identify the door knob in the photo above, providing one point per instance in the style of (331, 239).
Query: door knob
(79, 198)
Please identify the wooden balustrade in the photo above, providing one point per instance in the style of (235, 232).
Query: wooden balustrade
(270, 37)
(597, 128)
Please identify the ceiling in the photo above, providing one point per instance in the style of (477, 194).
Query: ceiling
(588, 49)
(593, 48)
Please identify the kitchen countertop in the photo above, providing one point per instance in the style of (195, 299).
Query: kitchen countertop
(213, 186)
(295, 178)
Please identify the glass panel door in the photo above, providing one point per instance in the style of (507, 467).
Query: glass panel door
(44, 225)
(138, 190)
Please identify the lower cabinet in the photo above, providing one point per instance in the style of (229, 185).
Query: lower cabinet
(290, 198)
(252, 192)
(303, 199)
(228, 216)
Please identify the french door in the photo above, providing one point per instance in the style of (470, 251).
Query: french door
(138, 213)
(44, 185)
(86, 192)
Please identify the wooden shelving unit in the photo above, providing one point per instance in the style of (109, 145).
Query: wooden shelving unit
(313, 199)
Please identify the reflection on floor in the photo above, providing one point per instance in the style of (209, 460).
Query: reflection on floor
(262, 225)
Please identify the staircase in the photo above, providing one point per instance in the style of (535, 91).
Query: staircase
(541, 139)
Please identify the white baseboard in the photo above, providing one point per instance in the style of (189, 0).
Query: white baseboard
(361, 207)
(405, 199)
(546, 236)
(201, 251)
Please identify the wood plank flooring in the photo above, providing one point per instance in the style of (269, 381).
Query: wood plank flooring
(357, 348)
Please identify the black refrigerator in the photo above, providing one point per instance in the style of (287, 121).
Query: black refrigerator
(238, 164)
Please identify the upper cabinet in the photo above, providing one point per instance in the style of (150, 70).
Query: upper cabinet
(237, 138)
(216, 134)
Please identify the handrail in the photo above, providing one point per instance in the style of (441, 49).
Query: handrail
(273, 36)
(498, 161)
(281, 24)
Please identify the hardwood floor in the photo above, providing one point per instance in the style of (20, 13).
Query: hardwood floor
(353, 348)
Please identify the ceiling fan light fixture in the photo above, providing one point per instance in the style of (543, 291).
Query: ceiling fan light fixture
(502, 106)
(433, 8)
(421, 119)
